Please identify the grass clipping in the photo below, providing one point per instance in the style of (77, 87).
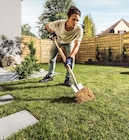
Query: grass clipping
(84, 95)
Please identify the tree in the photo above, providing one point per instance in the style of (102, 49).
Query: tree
(89, 26)
(26, 30)
(54, 10)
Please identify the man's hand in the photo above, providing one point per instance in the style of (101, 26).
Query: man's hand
(69, 61)
(52, 35)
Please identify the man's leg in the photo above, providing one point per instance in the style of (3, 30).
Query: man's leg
(52, 60)
(52, 64)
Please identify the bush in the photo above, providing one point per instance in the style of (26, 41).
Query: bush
(97, 53)
(29, 65)
(109, 54)
(124, 55)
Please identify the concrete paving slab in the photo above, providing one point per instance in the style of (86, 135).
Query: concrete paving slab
(5, 76)
(6, 99)
(15, 122)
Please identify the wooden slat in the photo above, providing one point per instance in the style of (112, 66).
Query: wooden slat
(87, 49)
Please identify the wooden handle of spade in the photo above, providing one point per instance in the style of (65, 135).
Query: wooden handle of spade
(64, 60)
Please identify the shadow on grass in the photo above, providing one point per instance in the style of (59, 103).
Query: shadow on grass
(5, 100)
(8, 87)
(18, 82)
(64, 99)
(125, 73)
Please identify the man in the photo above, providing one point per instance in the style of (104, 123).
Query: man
(69, 35)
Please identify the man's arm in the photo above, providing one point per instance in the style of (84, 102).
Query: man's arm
(49, 30)
(75, 48)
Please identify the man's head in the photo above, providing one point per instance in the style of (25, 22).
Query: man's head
(73, 10)
(73, 16)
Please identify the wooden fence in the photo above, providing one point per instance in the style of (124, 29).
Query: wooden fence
(42, 48)
(116, 42)
(87, 50)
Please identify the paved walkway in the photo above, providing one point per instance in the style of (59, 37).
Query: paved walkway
(15, 122)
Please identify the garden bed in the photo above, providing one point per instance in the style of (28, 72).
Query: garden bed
(102, 63)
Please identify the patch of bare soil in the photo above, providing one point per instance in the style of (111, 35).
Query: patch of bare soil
(84, 95)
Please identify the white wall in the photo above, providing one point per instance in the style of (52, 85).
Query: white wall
(10, 18)
(121, 26)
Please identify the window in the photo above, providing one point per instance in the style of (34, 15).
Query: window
(121, 31)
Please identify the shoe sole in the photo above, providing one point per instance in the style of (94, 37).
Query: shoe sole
(44, 81)
(68, 85)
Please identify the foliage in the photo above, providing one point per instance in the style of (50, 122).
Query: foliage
(97, 53)
(60, 118)
(3, 37)
(26, 30)
(118, 57)
(9, 48)
(124, 55)
(109, 54)
(103, 54)
(54, 10)
(29, 65)
(89, 26)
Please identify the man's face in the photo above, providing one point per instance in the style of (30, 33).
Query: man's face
(73, 20)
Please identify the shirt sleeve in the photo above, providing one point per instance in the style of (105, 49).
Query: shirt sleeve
(53, 25)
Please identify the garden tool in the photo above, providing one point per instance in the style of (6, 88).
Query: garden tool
(83, 94)
(76, 87)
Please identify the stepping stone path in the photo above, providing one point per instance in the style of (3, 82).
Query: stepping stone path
(17, 121)
(6, 99)
(14, 122)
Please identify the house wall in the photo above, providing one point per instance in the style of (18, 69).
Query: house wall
(10, 18)
(121, 26)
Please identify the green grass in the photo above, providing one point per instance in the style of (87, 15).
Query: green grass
(61, 118)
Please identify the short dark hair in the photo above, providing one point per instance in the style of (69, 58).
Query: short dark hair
(73, 10)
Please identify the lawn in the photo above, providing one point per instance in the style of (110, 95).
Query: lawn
(61, 118)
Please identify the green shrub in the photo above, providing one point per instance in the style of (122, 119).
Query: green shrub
(109, 54)
(124, 55)
(97, 53)
(29, 65)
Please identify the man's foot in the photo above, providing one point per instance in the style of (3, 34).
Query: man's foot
(67, 82)
(46, 79)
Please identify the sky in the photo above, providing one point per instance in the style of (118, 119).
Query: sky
(103, 12)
